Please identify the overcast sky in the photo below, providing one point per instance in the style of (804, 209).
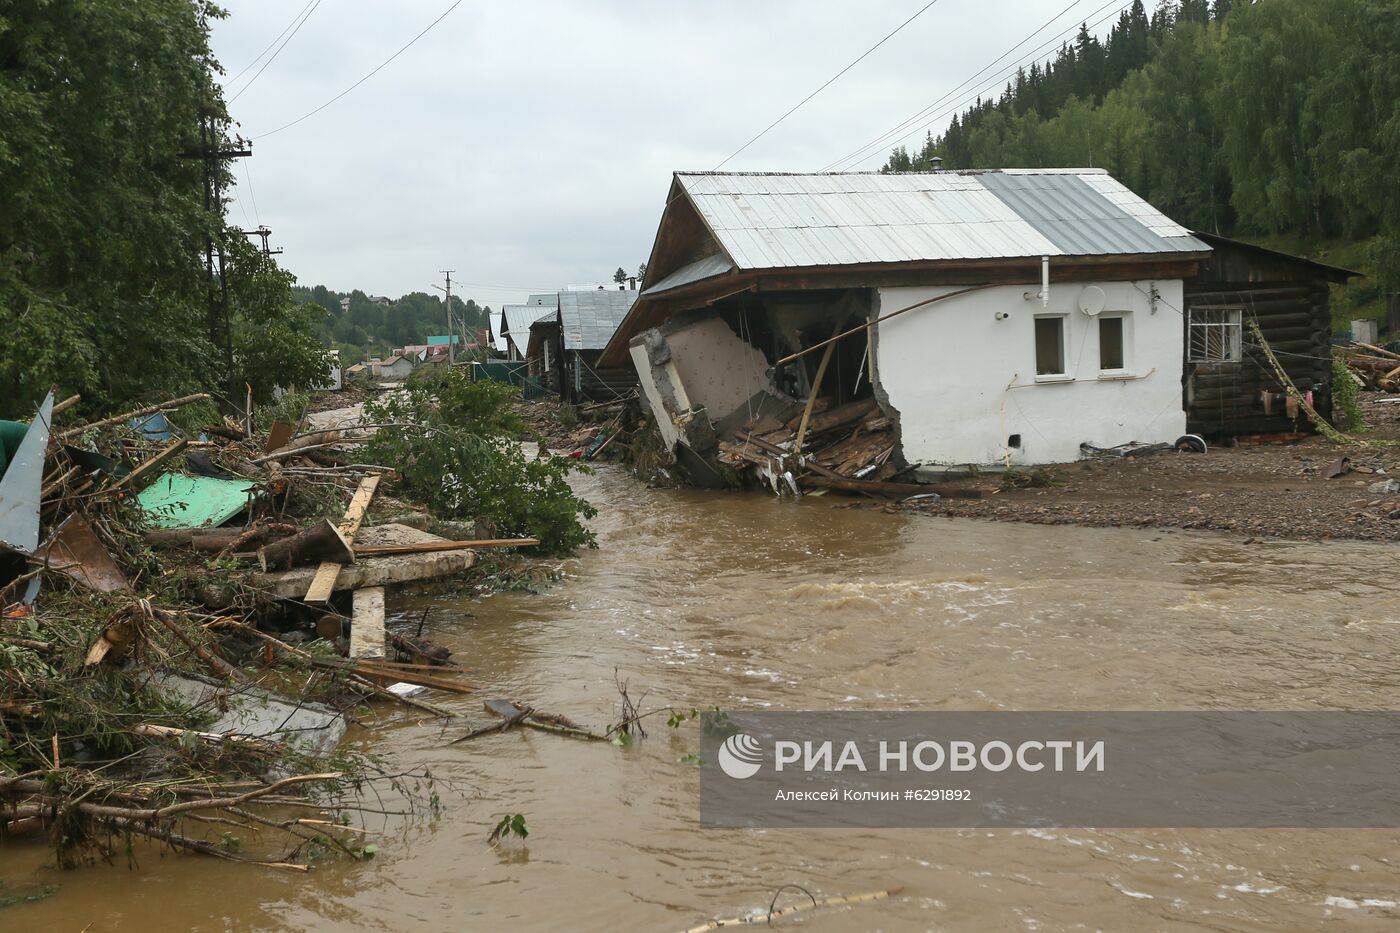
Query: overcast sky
(529, 144)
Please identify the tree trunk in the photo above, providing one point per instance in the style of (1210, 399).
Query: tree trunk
(321, 542)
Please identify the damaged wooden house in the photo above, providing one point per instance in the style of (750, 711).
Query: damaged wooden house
(949, 318)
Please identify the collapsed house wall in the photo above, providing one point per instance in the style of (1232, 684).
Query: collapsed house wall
(962, 374)
(692, 364)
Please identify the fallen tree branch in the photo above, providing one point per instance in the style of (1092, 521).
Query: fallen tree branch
(815, 903)
(137, 413)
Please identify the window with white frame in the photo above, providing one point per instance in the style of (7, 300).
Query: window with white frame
(1214, 334)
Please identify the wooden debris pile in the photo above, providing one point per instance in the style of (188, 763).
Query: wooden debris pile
(1374, 368)
(847, 447)
(142, 566)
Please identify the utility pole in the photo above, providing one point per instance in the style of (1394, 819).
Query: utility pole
(213, 154)
(451, 333)
(264, 232)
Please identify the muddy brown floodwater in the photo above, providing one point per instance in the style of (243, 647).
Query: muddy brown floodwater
(704, 599)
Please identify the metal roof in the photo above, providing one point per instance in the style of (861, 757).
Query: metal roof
(518, 319)
(768, 221)
(550, 300)
(498, 339)
(591, 317)
(697, 271)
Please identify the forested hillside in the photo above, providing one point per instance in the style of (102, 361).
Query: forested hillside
(1275, 121)
(370, 329)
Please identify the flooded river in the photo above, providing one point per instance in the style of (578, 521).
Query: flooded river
(702, 599)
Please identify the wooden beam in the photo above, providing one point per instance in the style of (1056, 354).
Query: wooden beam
(428, 547)
(367, 623)
(816, 388)
(323, 584)
(141, 477)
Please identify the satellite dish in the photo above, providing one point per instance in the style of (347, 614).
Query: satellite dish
(1092, 300)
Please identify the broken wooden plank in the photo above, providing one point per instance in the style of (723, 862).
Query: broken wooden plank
(842, 415)
(278, 436)
(371, 571)
(367, 623)
(815, 389)
(137, 413)
(897, 489)
(323, 584)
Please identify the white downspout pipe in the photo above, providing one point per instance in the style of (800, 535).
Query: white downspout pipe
(1045, 281)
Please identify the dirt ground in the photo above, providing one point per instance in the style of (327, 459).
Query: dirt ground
(1267, 491)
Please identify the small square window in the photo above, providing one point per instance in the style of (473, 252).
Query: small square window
(1111, 343)
(1049, 346)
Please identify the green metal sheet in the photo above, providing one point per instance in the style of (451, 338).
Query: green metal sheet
(179, 501)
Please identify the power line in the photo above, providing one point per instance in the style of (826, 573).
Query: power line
(248, 175)
(273, 56)
(1004, 74)
(829, 82)
(269, 45)
(880, 140)
(376, 71)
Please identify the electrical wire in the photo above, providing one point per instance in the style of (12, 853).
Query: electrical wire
(273, 56)
(380, 67)
(248, 175)
(269, 45)
(893, 135)
(828, 83)
(1006, 73)
(878, 142)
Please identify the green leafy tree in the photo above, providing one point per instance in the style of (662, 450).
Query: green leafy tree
(103, 219)
(101, 212)
(274, 336)
(455, 445)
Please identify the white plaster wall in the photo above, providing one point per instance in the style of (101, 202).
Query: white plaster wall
(719, 371)
(646, 379)
(963, 382)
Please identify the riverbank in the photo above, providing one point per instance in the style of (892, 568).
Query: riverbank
(1270, 490)
(1262, 492)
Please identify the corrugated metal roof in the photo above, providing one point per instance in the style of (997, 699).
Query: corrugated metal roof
(518, 319)
(591, 317)
(498, 339)
(706, 268)
(766, 221)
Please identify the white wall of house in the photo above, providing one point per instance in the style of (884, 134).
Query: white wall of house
(963, 382)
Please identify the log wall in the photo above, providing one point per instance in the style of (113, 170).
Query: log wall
(1225, 399)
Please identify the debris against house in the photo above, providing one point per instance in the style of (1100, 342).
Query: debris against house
(160, 681)
(1372, 367)
(986, 319)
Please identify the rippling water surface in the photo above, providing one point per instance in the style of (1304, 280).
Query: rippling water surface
(702, 599)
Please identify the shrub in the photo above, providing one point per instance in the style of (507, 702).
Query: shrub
(454, 443)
